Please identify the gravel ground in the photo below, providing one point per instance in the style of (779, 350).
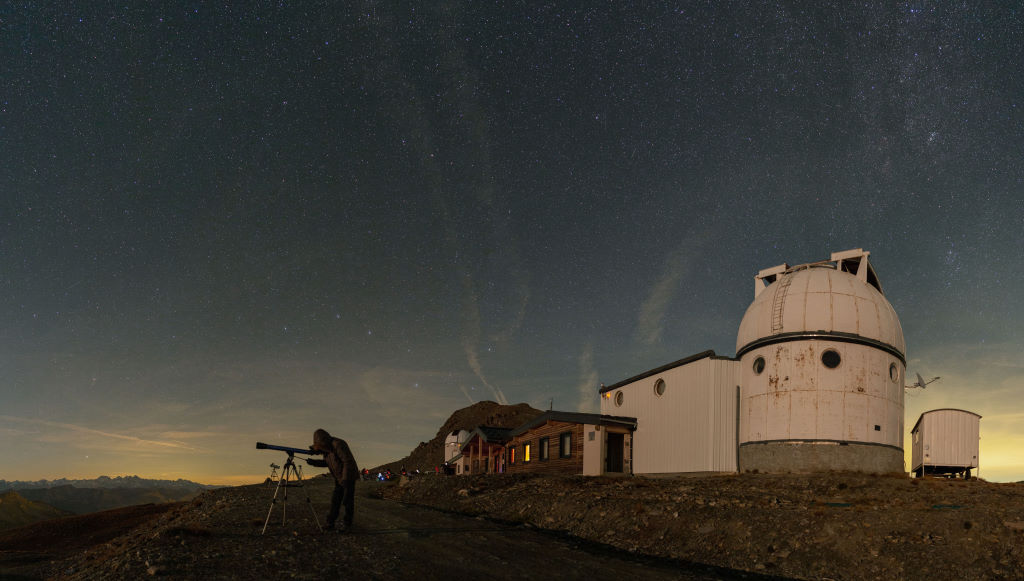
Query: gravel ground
(750, 526)
(218, 536)
(832, 526)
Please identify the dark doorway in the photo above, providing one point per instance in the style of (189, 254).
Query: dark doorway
(613, 460)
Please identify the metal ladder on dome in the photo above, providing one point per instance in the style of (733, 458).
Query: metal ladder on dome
(780, 302)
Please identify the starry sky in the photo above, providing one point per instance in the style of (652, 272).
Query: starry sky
(228, 223)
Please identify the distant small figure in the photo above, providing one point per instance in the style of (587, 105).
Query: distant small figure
(338, 458)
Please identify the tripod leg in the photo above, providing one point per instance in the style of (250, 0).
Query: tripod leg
(298, 480)
(274, 501)
(289, 469)
(284, 503)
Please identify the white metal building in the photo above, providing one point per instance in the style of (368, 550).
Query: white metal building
(688, 411)
(945, 441)
(816, 384)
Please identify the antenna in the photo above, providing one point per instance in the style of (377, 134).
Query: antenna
(921, 383)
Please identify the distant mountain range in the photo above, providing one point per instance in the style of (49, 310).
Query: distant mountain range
(104, 482)
(84, 496)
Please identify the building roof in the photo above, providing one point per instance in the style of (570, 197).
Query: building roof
(490, 434)
(838, 299)
(696, 357)
(575, 418)
(919, 418)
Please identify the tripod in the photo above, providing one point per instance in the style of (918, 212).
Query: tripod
(289, 469)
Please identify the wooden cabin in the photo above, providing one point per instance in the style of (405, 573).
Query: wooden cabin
(572, 443)
(484, 451)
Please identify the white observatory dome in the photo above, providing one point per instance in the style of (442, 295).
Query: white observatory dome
(820, 297)
(822, 364)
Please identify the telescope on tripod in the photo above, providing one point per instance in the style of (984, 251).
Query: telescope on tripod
(290, 470)
(291, 451)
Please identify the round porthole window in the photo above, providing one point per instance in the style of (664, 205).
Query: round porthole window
(894, 372)
(618, 398)
(758, 365)
(830, 358)
(659, 387)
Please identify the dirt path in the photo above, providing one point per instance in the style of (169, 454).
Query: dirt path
(218, 537)
(414, 540)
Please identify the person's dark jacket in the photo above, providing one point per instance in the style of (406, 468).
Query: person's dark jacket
(337, 457)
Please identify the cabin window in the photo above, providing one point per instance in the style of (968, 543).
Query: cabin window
(544, 446)
(758, 365)
(512, 455)
(659, 387)
(618, 398)
(830, 358)
(526, 452)
(565, 445)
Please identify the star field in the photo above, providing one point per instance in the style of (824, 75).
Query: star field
(223, 224)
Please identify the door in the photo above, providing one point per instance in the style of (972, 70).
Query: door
(613, 460)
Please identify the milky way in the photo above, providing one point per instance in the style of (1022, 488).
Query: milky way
(224, 224)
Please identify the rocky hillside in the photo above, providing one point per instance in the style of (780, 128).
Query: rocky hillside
(484, 413)
(16, 511)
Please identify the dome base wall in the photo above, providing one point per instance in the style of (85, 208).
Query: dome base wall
(819, 457)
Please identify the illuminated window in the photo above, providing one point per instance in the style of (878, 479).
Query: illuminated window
(544, 449)
(512, 455)
(565, 445)
(526, 452)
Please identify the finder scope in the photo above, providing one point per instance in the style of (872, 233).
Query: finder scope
(291, 451)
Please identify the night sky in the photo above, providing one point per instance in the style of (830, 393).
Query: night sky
(223, 224)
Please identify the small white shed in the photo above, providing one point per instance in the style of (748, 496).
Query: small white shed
(945, 441)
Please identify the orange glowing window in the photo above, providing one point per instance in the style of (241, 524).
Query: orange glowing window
(526, 452)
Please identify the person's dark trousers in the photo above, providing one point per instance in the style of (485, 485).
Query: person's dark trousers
(343, 492)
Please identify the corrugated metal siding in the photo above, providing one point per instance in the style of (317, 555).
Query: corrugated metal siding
(691, 427)
(947, 438)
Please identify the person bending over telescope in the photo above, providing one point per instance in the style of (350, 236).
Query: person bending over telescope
(338, 458)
